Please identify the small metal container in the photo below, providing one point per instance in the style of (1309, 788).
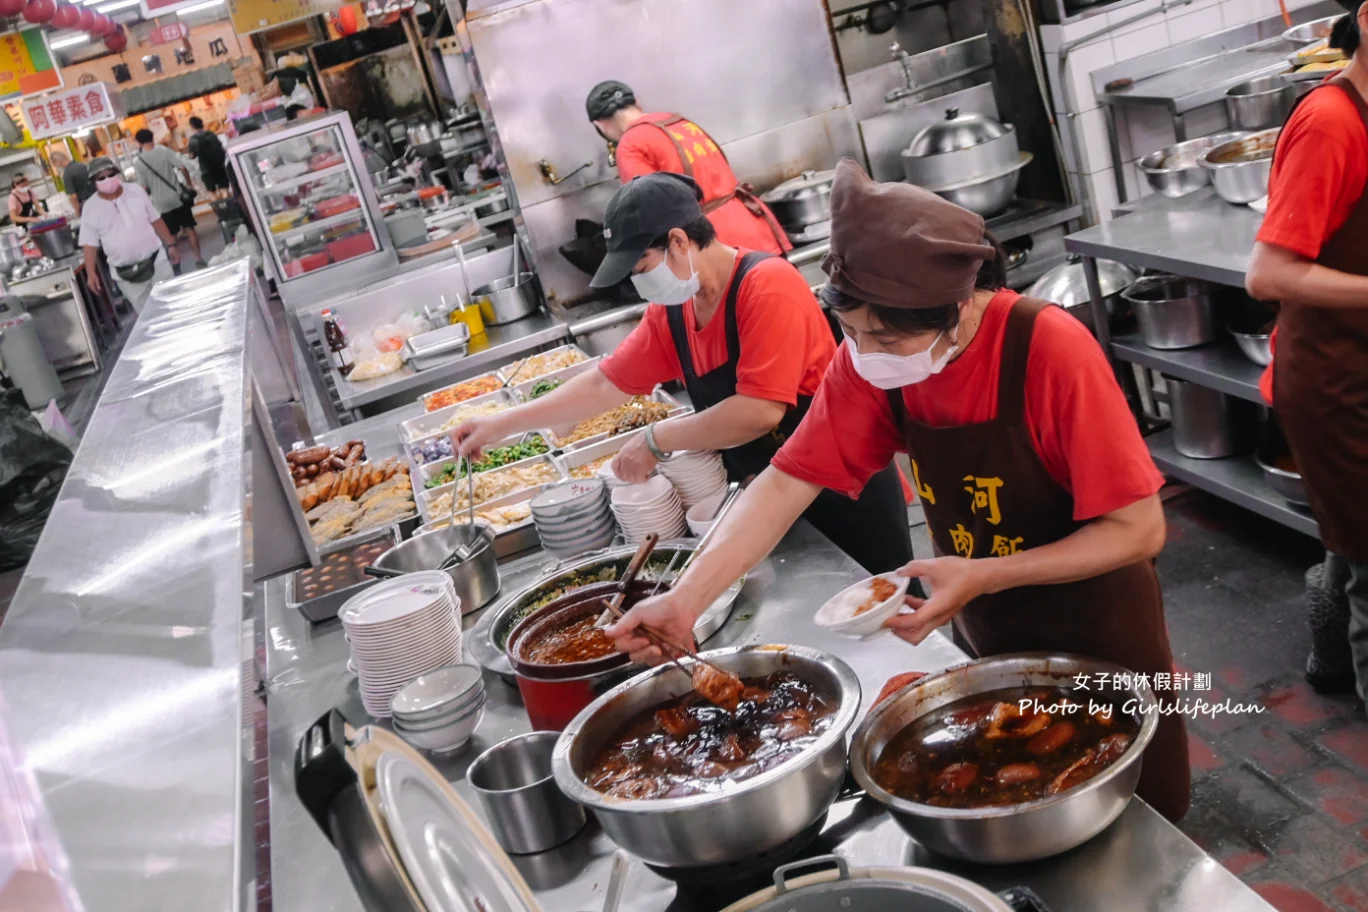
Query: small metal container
(969, 159)
(54, 238)
(1177, 170)
(1173, 312)
(476, 578)
(1207, 424)
(1240, 169)
(1255, 346)
(1288, 485)
(1067, 286)
(526, 810)
(1299, 36)
(1260, 103)
(523, 390)
(438, 346)
(802, 201)
(502, 302)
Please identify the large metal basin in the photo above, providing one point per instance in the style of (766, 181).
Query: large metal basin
(751, 816)
(1015, 833)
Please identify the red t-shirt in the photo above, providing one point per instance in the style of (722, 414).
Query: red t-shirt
(1077, 415)
(786, 342)
(1320, 173)
(647, 150)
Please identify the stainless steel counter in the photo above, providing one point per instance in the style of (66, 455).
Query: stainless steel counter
(121, 658)
(1140, 863)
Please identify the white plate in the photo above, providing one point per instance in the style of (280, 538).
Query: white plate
(450, 856)
(834, 615)
(390, 600)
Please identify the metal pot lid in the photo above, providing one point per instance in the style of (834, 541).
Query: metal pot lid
(957, 131)
(1067, 285)
(849, 889)
(807, 184)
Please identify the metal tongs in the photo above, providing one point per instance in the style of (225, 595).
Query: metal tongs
(462, 552)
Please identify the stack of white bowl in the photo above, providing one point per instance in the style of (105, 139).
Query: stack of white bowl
(696, 475)
(610, 478)
(650, 507)
(574, 517)
(440, 710)
(399, 629)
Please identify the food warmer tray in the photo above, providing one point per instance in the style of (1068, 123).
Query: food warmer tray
(509, 540)
(424, 497)
(326, 606)
(505, 373)
(425, 471)
(573, 459)
(523, 388)
(482, 642)
(437, 347)
(657, 395)
(430, 393)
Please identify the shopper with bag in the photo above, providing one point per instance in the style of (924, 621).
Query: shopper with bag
(166, 178)
(121, 219)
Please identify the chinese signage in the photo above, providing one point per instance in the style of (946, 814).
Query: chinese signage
(165, 34)
(151, 9)
(64, 113)
(26, 65)
(254, 15)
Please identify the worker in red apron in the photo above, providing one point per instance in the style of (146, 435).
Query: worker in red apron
(1312, 255)
(651, 143)
(1039, 492)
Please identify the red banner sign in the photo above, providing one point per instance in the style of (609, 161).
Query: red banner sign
(165, 34)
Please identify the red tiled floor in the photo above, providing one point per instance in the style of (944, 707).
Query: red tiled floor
(1271, 749)
(1352, 892)
(1241, 863)
(1350, 743)
(1201, 755)
(1287, 898)
(1314, 850)
(1301, 707)
(1337, 792)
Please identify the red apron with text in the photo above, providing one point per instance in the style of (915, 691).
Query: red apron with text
(1320, 387)
(986, 494)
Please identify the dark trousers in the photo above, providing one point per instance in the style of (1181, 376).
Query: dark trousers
(872, 530)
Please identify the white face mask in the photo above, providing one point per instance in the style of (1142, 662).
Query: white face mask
(661, 286)
(886, 372)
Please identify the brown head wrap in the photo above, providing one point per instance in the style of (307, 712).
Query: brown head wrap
(898, 245)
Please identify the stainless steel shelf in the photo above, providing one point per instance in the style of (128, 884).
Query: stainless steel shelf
(350, 215)
(306, 177)
(1220, 366)
(1237, 479)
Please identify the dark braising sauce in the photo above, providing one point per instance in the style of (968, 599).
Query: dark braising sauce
(687, 746)
(578, 641)
(987, 750)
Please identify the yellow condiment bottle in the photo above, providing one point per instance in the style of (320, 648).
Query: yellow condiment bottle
(469, 314)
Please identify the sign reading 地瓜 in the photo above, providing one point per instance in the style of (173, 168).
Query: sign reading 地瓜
(67, 112)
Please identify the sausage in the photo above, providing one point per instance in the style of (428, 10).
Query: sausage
(312, 470)
(955, 778)
(355, 443)
(308, 455)
(1017, 773)
(1051, 739)
(1110, 749)
(354, 454)
(337, 463)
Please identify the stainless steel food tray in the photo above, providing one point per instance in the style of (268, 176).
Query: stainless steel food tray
(425, 471)
(326, 606)
(430, 393)
(438, 346)
(424, 498)
(415, 430)
(657, 395)
(574, 458)
(523, 388)
(509, 540)
(506, 371)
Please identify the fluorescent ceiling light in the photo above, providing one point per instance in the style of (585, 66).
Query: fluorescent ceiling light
(199, 7)
(111, 7)
(69, 41)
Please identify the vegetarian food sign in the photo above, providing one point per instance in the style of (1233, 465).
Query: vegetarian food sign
(26, 65)
(64, 113)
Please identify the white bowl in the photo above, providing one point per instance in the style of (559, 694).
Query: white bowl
(654, 490)
(450, 737)
(835, 614)
(702, 514)
(440, 692)
(568, 500)
(577, 541)
(575, 525)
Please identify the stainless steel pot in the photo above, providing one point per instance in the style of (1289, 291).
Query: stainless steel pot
(746, 817)
(1177, 170)
(476, 578)
(1207, 424)
(55, 241)
(802, 201)
(1015, 833)
(425, 134)
(1240, 168)
(1067, 286)
(1288, 485)
(502, 302)
(908, 889)
(527, 813)
(1173, 312)
(11, 247)
(1260, 103)
(1299, 36)
(969, 159)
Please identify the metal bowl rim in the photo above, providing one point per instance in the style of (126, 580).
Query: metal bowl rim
(1155, 281)
(578, 790)
(486, 536)
(1023, 159)
(1204, 143)
(1274, 470)
(1206, 161)
(1276, 80)
(487, 752)
(1150, 721)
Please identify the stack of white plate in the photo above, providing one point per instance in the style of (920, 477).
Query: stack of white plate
(650, 507)
(399, 629)
(696, 475)
(440, 710)
(573, 517)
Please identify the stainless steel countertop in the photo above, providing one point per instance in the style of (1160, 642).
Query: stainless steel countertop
(1198, 235)
(1142, 858)
(121, 658)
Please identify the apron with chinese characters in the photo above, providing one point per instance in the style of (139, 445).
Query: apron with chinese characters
(1320, 386)
(987, 494)
(743, 192)
(872, 530)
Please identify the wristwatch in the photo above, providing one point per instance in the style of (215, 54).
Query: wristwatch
(654, 447)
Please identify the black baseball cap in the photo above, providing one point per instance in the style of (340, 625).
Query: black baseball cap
(607, 98)
(642, 210)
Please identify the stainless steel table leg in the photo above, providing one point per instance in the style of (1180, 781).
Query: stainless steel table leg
(1114, 140)
(1179, 127)
(1103, 329)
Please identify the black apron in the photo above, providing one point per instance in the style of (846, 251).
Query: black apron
(27, 209)
(873, 530)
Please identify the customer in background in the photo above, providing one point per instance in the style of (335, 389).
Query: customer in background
(165, 177)
(206, 148)
(121, 219)
(1312, 255)
(75, 179)
(24, 207)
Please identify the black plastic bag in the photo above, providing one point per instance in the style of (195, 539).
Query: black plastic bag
(32, 468)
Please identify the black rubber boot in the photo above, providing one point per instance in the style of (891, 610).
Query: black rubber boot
(1330, 666)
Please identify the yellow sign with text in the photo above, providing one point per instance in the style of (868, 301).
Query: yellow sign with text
(254, 15)
(26, 65)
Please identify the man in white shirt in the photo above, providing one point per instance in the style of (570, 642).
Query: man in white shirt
(163, 174)
(121, 218)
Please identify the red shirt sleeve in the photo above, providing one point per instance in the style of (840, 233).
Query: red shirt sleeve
(643, 150)
(777, 343)
(1318, 175)
(646, 357)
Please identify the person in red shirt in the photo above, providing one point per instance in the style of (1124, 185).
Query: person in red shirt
(660, 142)
(1040, 494)
(1312, 255)
(743, 332)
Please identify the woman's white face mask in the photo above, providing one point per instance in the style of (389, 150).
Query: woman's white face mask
(887, 371)
(661, 286)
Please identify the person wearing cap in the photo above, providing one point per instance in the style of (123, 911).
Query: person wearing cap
(121, 220)
(1040, 495)
(663, 142)
(743, 332)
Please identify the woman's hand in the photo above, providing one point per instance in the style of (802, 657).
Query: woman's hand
(955, 582)
(635, 462)
(670, 614)
(471, 437)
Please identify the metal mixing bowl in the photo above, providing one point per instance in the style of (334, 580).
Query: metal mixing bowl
(1240, 168)
(1255, 346)
(747, 817)
(476, 578)
(1177, 170)
(1288, 485)
(1020, 832)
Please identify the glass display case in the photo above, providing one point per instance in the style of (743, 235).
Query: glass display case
(313, 203)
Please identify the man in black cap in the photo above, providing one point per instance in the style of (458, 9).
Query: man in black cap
(663, 142)
(743, 333)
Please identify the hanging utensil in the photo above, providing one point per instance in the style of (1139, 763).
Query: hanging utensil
(516, 272)
(617, 879)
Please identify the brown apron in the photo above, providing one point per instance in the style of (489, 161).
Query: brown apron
(743, 192)
(986, 493)
(1320, 386)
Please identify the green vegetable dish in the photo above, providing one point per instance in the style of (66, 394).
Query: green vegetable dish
(542, 387)
(496, 458)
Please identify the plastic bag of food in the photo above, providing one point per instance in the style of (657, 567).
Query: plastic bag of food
(379, 364)
(32, 468)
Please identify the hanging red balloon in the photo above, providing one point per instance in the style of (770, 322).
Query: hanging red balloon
(117, 41)
(66, 16)
(85, 19)
(11, 7)
(40, 11)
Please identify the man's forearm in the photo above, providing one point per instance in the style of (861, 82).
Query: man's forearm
(1276, 274)
(583, 396)
(732, 422)
(90, 262)
(164, 233)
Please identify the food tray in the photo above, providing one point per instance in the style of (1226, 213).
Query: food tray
(430, 424)
(506, 371)
(657, 395)
(326, 606)
(428, 395)
(425, 497)
(1309, 75)
(573, 459)
(508, 540)
(422, 472)
(523, 388)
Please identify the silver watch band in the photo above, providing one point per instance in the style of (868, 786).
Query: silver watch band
(655, 447)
